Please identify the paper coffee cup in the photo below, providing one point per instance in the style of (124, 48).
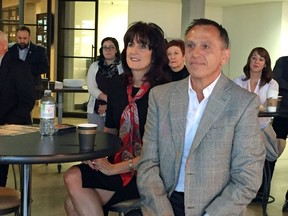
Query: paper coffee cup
(86, 134)
(272, 104)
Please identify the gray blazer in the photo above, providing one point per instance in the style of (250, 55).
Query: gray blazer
(225, 164)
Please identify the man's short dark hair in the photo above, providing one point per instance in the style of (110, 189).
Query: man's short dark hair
(222, 31)
(23, 28)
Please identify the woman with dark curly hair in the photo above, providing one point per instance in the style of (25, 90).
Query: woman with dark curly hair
(95, 185)
(99, 75)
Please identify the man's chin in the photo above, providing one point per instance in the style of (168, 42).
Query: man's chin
(22, 46)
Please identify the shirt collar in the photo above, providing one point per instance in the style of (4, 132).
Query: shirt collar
(206, 91)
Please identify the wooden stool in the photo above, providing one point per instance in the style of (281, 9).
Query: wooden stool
(9, 201)
(126, 207)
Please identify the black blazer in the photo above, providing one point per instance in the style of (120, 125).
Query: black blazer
(37, 60)
(17, 92)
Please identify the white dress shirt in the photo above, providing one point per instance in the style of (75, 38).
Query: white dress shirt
(194, 115)
(23, 53)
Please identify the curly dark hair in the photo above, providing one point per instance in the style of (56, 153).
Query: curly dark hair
(151, 35)
(266, 75)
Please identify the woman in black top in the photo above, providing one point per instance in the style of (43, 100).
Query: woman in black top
(102, 182)
(176, 55)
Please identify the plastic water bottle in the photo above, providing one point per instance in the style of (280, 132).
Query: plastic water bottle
(47, 114)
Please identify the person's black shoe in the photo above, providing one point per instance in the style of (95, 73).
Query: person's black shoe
(256, 200)
(285, 206)
(259, 199)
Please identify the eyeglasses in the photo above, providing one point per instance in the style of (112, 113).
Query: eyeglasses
(108, 48)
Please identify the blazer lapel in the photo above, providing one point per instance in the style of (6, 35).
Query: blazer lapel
(178, 112)
(28, 56)
(215, 106)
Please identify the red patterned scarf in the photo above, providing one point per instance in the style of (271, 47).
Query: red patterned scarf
(129, 130)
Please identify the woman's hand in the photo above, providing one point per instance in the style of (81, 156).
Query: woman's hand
(102, 110)
(102, 165)
(107, 168)
(102, 96)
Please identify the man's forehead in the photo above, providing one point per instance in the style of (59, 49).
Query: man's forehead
(208, 29)
(202, 34)
(23, 33)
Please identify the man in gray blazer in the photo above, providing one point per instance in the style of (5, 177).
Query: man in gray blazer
(202, 151)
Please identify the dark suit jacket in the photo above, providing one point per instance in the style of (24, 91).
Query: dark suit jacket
(37, 60)
(17, 93)
(280, 74)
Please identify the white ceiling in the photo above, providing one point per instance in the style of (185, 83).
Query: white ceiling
(225, 3)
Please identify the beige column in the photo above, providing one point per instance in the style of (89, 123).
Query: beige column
(191, 9)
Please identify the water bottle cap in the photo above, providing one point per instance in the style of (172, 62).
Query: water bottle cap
(47, 92)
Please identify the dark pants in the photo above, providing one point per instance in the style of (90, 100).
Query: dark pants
(177, 202)
(264, 190)
(3, 174)
(280, 127)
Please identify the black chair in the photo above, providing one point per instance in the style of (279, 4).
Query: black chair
(127, 208)
(267, 176)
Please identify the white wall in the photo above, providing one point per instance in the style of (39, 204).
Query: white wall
(113, 21)
(166, 14)
(214, 13)
(252, 25)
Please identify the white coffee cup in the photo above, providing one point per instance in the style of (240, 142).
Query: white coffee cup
(271, 109)
(272, 104)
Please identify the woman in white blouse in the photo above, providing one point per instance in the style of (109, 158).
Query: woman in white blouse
(257, 78)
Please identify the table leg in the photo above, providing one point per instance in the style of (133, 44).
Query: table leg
(25, 190)
(60, 107)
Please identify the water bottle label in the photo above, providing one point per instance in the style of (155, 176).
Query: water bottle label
(47, 111)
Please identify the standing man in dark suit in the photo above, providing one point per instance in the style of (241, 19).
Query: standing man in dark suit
(34, 55)
(280, 124)
(17, 93)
